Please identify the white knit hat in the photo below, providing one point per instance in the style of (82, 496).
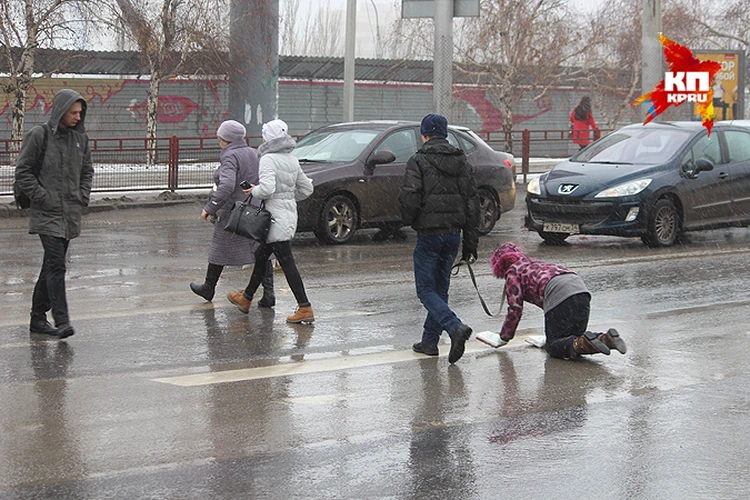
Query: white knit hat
(231, 131)
(274, 129)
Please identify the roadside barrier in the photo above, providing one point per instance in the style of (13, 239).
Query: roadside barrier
(189, 162)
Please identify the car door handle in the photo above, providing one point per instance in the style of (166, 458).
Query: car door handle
(723, 175)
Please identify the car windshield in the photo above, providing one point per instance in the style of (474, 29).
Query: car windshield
(638, 145)
(334, 145)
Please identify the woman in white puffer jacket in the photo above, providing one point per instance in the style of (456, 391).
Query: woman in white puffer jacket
(281, 184)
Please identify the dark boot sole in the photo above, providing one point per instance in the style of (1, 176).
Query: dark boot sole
(598, 343)
(418, 347)
(619, 343)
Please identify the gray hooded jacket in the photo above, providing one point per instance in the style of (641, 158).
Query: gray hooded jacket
(64, 184)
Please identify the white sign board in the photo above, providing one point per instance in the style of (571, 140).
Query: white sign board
(426, 8)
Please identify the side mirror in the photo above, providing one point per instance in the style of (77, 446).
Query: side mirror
(381, 157)
(701, 165)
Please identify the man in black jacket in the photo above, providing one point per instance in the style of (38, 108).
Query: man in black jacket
(439, 200)
(58, 194)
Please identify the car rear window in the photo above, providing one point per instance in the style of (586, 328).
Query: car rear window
(738, 144)
(639, 145)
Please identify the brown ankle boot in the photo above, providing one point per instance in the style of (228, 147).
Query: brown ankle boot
(589, 343)
(302, 314)
(614, 341)
(238, 299)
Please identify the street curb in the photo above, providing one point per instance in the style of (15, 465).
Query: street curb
(8, 210)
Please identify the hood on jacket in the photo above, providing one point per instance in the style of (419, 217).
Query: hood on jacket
(283, 144)
(63, 100)
(503, 257)
(439, 153)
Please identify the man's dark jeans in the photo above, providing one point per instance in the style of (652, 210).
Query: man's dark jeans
(433, 259)
(49, 291)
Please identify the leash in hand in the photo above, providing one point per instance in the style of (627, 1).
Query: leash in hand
(467, 263)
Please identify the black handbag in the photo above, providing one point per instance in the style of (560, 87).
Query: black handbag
(249, 221)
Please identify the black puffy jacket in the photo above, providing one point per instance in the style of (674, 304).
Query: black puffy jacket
(439, 194)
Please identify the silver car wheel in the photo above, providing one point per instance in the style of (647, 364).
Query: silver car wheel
(339, 220)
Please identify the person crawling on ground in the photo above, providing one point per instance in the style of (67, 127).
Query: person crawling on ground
(563, 296)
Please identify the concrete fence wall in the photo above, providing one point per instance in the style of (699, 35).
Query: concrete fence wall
(195, 108)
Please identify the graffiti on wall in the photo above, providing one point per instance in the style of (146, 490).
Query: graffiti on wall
(171, 109)
(492, 117)
(191, 108)
(42, 92)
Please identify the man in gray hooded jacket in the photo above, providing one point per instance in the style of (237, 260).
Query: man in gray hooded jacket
(56, 176)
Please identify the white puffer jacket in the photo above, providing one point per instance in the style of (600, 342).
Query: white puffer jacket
(281, 184)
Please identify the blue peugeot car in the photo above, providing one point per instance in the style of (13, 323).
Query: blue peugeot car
(651, 181)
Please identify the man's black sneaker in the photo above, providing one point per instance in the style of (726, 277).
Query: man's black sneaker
(428, 349)
(458, 340)
(65, 331)
(42, 328)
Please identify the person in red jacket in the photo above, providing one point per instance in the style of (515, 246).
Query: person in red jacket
(564, 298)
(581, 119)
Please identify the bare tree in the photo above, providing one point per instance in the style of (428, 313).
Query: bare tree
(519, 49)
(168, 37)
(715, 25)
(288, 30)
(411, 39)
(25, 27)
(612, 63)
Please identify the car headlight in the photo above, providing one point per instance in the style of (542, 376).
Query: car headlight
(628, 189)
(533, 186)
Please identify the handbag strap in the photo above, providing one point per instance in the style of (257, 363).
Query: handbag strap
(454, 271)
(250, 198)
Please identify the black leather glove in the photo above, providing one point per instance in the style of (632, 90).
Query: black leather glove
(469, 254)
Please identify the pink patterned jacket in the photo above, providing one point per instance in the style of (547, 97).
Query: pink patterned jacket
(525, 280)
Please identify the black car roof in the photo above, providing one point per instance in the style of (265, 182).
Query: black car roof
(381, 124)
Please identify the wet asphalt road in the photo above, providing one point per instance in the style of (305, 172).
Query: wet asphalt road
(161, 395)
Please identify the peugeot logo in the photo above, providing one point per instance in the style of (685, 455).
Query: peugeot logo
(567, 188)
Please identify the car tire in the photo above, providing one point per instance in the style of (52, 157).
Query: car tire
(488, 211)
(663, 224)
(554, 238)
(338, 221)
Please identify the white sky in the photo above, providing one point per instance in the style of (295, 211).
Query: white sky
(386, 11)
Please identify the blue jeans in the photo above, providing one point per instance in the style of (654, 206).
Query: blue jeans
(433, 259)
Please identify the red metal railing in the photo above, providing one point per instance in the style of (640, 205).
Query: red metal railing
(509, 140)
(189, 162)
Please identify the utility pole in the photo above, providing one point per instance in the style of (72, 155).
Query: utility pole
(652, 71)
(443, 12)
(351, 28)
(254, 57)
(442, 93)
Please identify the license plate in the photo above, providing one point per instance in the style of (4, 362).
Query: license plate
(559, 227)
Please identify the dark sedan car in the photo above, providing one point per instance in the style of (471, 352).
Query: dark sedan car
(357, 169)
(654, 181)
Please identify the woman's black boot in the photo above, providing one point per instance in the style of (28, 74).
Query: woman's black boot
(207, 289)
